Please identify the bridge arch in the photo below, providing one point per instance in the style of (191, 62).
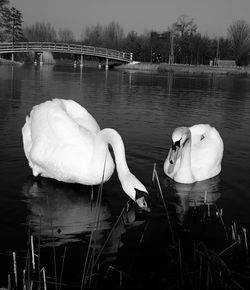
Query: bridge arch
(77, 49)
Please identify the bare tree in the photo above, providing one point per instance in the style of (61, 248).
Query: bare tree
(110, 36)
(93, 35)
(184, 30)
(113, 35)
(184, 25)
(239, 34)
(66, 35)
(40, 31)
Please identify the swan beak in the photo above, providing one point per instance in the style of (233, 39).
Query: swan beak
(142, 199)
(173, 156)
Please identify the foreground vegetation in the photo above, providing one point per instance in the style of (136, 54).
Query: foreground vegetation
(202, 252)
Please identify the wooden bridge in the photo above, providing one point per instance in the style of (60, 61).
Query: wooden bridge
(77, 49)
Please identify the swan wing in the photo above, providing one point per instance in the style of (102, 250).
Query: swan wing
(61, 148)
(80, 115)
(206, 151)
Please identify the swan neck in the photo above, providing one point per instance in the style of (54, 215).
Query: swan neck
(186, 153)
(113, 138)
(185, 166)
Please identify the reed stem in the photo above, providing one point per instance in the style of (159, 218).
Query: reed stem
(110, 233)
(44, 279)
(246, 243)
(53, 246)
(15, 268)
(90, 260)
(32, 253)
(39, 249)
(219, 214)
(233, 233)
(153, 175)
(164, 204)
(24, 282)
(9, 282)
(64, 253)
(229, 247)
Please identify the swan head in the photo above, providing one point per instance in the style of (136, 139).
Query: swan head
(179, 137)
(136, 191)
(142, 200)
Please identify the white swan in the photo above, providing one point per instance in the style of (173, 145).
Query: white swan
(63, 141)
(195, 155)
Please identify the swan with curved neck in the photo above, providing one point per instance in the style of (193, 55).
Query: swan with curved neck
(63, 141)
(195, 154)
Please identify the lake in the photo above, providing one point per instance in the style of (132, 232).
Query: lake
(144, 108)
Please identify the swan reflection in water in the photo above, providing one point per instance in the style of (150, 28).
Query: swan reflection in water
(61, 213)
(193, 195)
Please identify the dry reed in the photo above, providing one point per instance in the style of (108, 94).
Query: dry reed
(155, 175)
(204, 272)
(15, 268)
(53, 244)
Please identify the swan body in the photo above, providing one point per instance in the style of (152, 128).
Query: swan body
(195, 155)
(63, 141)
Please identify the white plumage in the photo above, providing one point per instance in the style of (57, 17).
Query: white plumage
(195, 155)
(63, 141)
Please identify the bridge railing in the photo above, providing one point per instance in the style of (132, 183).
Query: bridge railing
(65, 48)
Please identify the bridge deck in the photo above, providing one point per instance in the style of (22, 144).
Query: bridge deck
(9, 47)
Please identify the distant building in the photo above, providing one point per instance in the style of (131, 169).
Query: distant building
(225, 63)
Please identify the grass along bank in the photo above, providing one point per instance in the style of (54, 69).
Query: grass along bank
(183, 68)
(9, 62)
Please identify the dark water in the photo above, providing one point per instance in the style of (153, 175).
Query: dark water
(144, 108)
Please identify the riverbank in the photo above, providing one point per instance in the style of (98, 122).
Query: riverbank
(9, 62)
(181, 68)
(59, 62)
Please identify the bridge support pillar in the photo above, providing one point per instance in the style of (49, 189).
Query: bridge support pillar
(36, 58)
(99, 63)
(41, 58)
(81, 61)
(107, 64)
(12, 57)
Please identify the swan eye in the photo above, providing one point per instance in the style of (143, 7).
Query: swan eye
(176, 144)
(202, 137)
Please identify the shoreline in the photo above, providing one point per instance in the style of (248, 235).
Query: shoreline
(182, 68)
(4, 61)
(60, 62)
(155, 67)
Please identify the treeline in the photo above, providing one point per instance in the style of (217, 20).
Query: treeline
(180, 43)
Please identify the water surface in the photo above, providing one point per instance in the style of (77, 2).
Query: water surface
(144, 108)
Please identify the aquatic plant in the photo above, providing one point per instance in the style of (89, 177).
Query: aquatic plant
(204, 253)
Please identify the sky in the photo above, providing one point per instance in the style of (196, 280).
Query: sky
(212, 17)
